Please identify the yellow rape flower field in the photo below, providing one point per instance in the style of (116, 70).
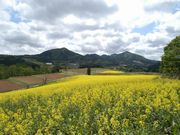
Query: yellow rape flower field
(104, 105)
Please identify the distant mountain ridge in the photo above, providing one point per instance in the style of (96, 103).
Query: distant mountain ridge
(63, 57)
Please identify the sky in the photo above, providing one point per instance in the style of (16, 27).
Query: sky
(143, 27)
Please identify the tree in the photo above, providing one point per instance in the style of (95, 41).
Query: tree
(13, 70)
(170, 64)
(45, 79)
(55, 69)
(88, 71)
(3, 72)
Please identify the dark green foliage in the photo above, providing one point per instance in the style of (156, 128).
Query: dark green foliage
(154, 67)
(57, 56)
(127, 61)
(3, 72)
(170, 65)
(66, 58)
(21, 70)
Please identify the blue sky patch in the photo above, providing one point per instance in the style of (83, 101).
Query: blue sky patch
(15, 16)
(145, 29)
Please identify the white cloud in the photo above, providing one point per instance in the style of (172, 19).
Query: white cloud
(163, 6)
(85, 26)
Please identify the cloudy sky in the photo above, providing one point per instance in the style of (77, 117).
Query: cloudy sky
(88, 26)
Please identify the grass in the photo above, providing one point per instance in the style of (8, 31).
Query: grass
(126, 104)
(112, 71)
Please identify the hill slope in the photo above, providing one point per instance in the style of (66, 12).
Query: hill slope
(62, 55)
(127, 60)
(126, 104)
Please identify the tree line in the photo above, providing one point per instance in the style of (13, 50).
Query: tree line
(22, 70)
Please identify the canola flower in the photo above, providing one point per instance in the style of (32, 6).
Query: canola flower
(135, 104)
(112, 71)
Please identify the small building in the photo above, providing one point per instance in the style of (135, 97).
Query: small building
(49, 64)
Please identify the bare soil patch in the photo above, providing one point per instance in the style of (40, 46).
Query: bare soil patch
(29, 80)
(50, 77)
(6, 85)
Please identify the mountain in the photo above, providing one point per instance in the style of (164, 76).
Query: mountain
(127, 61)
(63, 57)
